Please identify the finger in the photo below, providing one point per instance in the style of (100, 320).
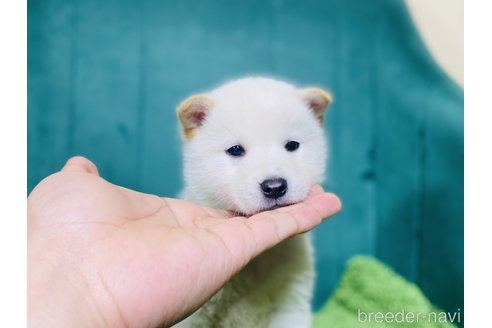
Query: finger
(272, 227)
(315, 190)
(80, 164)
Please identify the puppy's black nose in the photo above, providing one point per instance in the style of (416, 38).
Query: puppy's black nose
(274, 188)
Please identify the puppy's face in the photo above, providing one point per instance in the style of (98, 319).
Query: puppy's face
(253, 144)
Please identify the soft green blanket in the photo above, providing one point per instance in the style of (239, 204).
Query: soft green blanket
(372, 295)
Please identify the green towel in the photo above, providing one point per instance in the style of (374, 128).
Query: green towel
(372, 295)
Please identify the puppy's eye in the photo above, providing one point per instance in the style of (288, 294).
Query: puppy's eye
(291, 145)
(236, 151)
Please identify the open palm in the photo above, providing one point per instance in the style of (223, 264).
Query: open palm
(124, 258)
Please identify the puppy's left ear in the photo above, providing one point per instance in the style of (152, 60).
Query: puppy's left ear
(317, 100)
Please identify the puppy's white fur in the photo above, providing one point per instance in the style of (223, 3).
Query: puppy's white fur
(261, 115)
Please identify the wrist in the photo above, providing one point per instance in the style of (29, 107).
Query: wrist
(57, 297)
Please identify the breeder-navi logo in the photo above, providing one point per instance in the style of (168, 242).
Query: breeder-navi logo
(405, 316)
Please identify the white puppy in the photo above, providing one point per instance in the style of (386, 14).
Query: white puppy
(252, 145)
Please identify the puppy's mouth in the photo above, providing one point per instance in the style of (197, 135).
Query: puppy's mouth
(275, 206)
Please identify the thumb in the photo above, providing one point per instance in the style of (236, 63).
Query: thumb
(80, 164)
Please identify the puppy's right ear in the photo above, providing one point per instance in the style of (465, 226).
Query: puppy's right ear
(192, 113)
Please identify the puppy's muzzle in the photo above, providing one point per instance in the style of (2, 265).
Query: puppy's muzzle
(274, 188)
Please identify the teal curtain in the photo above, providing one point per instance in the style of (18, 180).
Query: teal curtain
(104, 78)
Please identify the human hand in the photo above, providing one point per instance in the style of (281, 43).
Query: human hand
(100, 255)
